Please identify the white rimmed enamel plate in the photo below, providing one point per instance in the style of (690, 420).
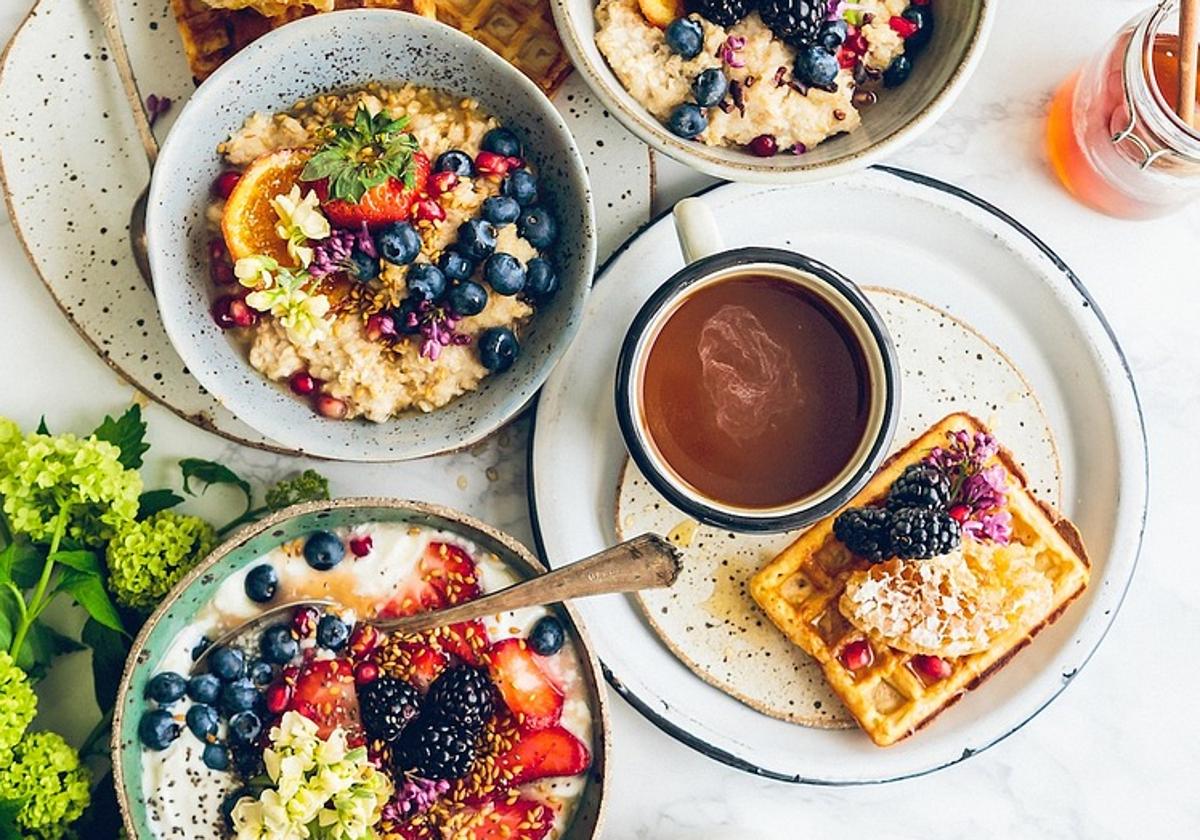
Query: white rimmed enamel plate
(930, 240)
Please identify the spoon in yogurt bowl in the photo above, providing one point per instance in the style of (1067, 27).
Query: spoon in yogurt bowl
(645, 562)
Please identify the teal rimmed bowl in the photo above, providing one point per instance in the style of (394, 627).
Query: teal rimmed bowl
(197, 589)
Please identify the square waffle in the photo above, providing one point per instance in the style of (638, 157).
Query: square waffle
(520, 31)
(800, 590)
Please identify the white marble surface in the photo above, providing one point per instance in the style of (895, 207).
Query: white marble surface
(1114, 757)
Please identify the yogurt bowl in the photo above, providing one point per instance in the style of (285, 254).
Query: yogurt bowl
(388, 556)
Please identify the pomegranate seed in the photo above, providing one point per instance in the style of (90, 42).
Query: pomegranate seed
(764, 145)
(379, 326)
(857, 655)
(331, 407)
(363, 639)
(515, 163)
(856, 43)
(279, 695)
(302, 383)
(902, 26)
(217, 252)
(221, 272)
(931, 668)
(959, 513)
(361, 546)
(230, 311)
(366, 672)
(490, 163)
(846, 59)
(225, 183)
(304, 621)
(427, 209)
(920, 2)
(441, 182)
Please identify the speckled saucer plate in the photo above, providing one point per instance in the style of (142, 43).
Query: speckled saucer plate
(198, 588)
(943, 251)
(71, 167)
(708, 620)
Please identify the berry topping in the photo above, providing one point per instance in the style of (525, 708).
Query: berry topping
(437, 749)
(462, 694)
(502, 141)
(331, 408)
(721, 12)
(815, 66)
(388, 706)
(504, 273)
(414, 660)
(498, 349)
(685, 37)
(278, 645)
(260, 673)
(202, 721)
(795, 22)
(442, 182)
(227, 663)
(455, 266)
(245, 727)
(361, 546)
(897, 72)
(476, 239)
(764, 146)
(538, 225)
(204, 688)
(710, 87)
(866, 532)
(261, 583)
(230, 311)
(455, 161)
(921, 18)
(278, 698)
(304, 621)
(302, 383)
(501, 210)
(157, 729)
(919, 533)
(833, 34)
(363, 639)
(857, 655)
(224, 183)
(931, 669)
(323, 550)
(920, 486)
(467, 298)
(425, 281)
(545, 753)
(166, 688)
(332, 633)
(365, 672)
(687, 120)
(215, 757)
(521, 185)
(324, 693)
(540, 280)
(509, 818)
(429, 210)
(547, 636)
(398, 243)
(527, 690)
(490, 163)
(959, 513)
(237, 696)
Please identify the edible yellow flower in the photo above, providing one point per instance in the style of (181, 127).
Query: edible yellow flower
(300, 220)
(300, 313)
(256, 272)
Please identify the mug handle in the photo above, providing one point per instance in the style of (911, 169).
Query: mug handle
(696, 229)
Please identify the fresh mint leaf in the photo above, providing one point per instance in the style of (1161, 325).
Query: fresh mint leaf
(109, 651)
(209, 473)
(153, 501)
(127, 433)
(87, 588)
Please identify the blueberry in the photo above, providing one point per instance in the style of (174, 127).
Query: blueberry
(467, 298)
(332, 632)
(277, 645)
(709, 87)
(215, 757)
(922, 16)
(157, 729)
(454, 265)
(504, 273)
(832, 35)
(897, 72)
(400, 317)
(366, 267)
(230, 802)
(227, 663)
(501, 210)
(247, 760)
(502, 142)
(815, 66)
(498, 349)
(166, 688)
(687, 120)
(398, 243)
(685, 37)
(522, 186)
(323, 550)
(202, 720)
(476, 239)
(547, 636)
(540, 280)
(425, 281)
(244, 727)
(456, 161)
(261, 583)
(200, 647)
(237, 696)
(538, 226)
(204, 688)
(259, 672)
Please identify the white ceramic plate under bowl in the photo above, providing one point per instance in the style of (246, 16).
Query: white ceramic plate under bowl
(890, 228)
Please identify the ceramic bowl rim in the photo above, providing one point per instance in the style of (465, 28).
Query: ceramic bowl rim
(602, 722)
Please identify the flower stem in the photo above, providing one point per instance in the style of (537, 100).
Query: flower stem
(249, 516)
(95, 741)
(34, 606)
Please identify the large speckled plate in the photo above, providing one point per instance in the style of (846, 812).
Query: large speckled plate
(927, 241)
(709, 621)
(71, 168)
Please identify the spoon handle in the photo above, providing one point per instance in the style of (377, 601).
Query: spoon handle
(107, 10)
(645, 562)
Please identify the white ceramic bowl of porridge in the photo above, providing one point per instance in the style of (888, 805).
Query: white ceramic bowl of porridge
(403, 395)
(626, 61)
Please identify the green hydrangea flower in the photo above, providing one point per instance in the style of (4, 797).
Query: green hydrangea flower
(146, 559)
(308, 486)
(45, 776)
(18, 704)
(42, 474)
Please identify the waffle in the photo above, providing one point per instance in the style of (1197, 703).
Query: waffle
(800, 592)
(520, 31)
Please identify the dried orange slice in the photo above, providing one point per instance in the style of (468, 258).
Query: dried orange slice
(249, 219)
(662, 12)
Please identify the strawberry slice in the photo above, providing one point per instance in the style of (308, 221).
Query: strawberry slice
(527, 690)
(390, 201)
(446, 575)
(466, 640)
(417, 660)
(544, 753)
(499, 819)
(324, 693)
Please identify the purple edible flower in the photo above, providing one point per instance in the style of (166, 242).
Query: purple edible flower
(996, 527)
(729, 51)
(333, 254)
(415, 796)
(979, 488)
(437, 326)
(156, 106)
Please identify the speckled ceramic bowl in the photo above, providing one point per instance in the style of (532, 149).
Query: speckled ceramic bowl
(198, 588)
(327, 53)
(898, 118)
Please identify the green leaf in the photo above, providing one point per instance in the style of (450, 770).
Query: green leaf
(21, 562)
(209, 473)
(127, 433)
(9, 808)
(153, 501)
(80, 561)
(87, 588)
(42, 645)
(42, 428)
(109, 651)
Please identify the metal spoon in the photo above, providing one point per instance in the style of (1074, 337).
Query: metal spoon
(645, 562)
(107, 9)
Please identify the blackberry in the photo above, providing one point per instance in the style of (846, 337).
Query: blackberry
(796, 22)
(437, 749)
(388, 706)
(721, 12)
(920, 486)
(865, 531)
(920, 533)
(463, 695)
